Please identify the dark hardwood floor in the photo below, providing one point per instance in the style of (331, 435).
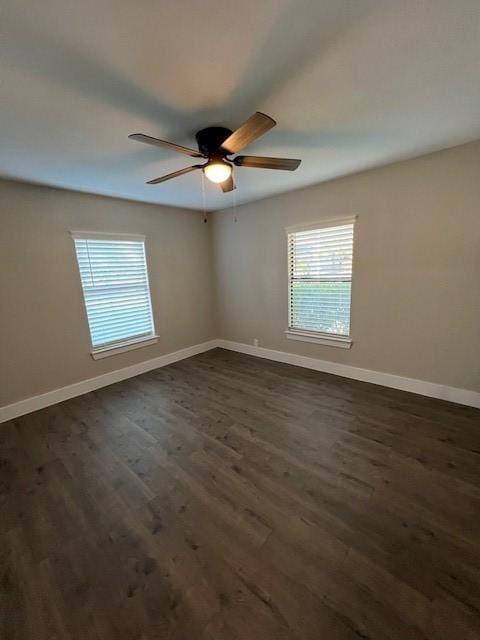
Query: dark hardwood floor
(227, 497)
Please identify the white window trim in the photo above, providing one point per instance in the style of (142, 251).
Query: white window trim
(328, 339)
(125, 345)
(320, 224)
(316, 337)
(122, 347)
(101, 235)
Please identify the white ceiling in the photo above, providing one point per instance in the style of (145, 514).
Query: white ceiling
(352, 84)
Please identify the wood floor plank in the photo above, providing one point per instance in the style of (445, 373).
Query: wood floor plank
(227, 496)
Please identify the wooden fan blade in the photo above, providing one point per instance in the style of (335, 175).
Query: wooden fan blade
(253, 128)
(259, 162)
(140, 137)
(228, 184)
(169, 176)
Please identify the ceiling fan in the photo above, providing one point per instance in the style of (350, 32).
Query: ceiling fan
(215, 144)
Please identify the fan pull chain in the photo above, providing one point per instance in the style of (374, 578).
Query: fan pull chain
(234, 194)
(205, 219)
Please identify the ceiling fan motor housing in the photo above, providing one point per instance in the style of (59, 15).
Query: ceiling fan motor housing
(210, 139)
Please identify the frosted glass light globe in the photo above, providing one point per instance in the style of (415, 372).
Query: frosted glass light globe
(218, 171)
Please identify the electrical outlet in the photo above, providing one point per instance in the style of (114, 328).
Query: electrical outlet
(255, 342)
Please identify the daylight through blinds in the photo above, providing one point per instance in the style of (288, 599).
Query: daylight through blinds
(320, 275)
(116, 290)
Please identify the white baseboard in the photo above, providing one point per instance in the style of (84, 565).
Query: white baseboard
(431, 389)
(28, 405)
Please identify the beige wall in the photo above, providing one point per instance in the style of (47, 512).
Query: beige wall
(416, 282)
(416, 290)
(44, 338)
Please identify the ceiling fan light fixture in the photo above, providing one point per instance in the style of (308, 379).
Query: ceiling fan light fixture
(217, 171)
(215, 144)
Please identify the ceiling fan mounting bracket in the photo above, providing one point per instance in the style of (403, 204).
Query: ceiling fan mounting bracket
(210, 139)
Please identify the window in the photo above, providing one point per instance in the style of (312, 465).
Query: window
(114, 277)
(320, 282)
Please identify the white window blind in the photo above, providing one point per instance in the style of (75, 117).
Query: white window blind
(320, 279)
(114, 277)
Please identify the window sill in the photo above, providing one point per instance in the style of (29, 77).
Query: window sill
(114, 349)
(342, 342)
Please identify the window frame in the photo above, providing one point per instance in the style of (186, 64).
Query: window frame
(305, 335)
(134, 342)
